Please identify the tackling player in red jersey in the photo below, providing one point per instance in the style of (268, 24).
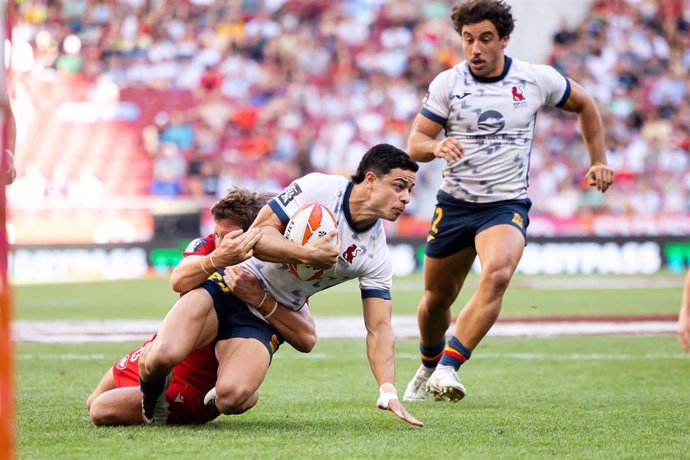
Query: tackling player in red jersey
(117, 398)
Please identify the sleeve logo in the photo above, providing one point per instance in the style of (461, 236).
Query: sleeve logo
(289, 194)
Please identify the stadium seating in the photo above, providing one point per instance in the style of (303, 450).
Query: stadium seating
(310, 87)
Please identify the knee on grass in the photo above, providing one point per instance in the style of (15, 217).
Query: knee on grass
(100, 414)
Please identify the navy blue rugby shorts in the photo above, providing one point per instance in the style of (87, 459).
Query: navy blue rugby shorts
(236, 320)
(456, 223)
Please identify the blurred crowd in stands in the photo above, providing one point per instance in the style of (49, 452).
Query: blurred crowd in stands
(280, 88)
(633, 57)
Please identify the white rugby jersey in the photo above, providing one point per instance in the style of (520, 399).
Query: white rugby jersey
(494, 119)
(363, 251)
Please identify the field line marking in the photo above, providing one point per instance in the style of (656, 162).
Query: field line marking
(81, 331)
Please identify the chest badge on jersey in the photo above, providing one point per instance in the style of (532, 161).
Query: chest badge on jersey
(519, 99)
(350, 253)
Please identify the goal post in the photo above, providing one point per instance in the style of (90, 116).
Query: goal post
(7, 401)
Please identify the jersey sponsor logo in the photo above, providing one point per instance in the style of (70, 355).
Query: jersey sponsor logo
(350, 253)
(179, 398)
(517, 220)
(491, 121)
(289, 194)
(195, 244)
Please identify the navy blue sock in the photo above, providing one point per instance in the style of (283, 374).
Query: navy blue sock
(151, 390)
(455, 354)
(431, 355)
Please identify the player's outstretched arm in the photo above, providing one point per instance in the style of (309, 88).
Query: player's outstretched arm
(274, 247)
(193, 270)
(684, 316)
(599, 174)
(381, 355)
(296, 327)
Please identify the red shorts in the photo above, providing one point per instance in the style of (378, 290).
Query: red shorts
(193, 378)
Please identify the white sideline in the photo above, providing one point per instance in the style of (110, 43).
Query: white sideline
(81, 331)
(405, 356)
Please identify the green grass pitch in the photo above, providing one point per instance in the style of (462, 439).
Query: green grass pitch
(152, 298)
(565, 397)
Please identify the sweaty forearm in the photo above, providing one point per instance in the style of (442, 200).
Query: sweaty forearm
(296, 327)
(381, 353)
(190, 273)
(274, 247)
(593, 133)
(421, 147)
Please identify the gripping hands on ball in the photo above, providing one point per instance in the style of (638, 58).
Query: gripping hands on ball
(323, 253)
(314, 227)
(388, 400)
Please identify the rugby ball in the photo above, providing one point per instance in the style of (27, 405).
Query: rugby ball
(310, 223)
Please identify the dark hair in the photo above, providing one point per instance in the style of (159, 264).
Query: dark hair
(240, 206)
(474, 11)
(381, 159)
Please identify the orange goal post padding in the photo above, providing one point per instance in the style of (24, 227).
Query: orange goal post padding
(7, 406)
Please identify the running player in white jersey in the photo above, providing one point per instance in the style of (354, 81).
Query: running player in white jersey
(380, 189)
(487, 107)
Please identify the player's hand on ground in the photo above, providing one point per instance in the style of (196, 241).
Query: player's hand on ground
(9, 173)
(388, 400)
(684, 330)
(236, 247)
(324, 252)
(449, 149)
(244, 285)
(600, 176)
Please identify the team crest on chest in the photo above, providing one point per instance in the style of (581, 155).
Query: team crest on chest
(519, 99)
(350, 253)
